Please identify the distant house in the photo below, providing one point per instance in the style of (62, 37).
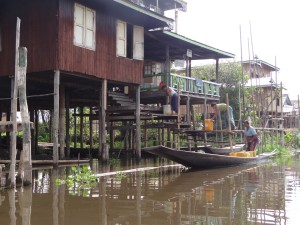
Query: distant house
(266, 93)
(287, 105)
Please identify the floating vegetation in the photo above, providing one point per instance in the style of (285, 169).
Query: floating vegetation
(80, 181)
(120, 174)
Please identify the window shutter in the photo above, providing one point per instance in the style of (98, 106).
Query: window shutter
(90, 28)
(121, 38)
(138, 42)
(79, 24)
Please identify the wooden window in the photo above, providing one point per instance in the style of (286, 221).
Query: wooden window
(84, 27)
(130, 40)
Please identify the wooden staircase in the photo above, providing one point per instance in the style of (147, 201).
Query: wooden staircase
(120, 99)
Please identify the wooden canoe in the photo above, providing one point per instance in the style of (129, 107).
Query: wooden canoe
(224, 150)
(204, 160)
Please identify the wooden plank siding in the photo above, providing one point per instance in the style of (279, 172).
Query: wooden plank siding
(38, 34)
(47, 29)
(101, 63)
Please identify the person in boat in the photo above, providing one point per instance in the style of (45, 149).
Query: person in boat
(250, 136)
(222, 107)
(173, 96)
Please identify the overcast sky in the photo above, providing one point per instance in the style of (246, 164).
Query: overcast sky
(274, 24)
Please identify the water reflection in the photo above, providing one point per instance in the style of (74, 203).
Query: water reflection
(160, 194)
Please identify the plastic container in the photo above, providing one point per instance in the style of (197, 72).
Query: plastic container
(243, 154)
(208, 124)
(167, 110)
(252, 153)
(232, 153)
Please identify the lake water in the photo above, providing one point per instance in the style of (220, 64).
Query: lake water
(158, 192)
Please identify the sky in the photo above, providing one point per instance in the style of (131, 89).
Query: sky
(270, 27)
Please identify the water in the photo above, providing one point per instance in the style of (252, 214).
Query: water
(157, 193)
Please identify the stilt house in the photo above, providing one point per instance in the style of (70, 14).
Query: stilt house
(107, 55)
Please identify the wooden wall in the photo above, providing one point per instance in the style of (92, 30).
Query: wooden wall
(49, 40)
(38, 34)
(101, 63)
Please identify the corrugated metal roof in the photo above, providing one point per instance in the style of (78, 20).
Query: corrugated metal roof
(156, 42)
(261, 63)
(134, 13)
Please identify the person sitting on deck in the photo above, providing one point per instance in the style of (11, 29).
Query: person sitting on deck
(222, 107)
(250, 136)
(173, 96)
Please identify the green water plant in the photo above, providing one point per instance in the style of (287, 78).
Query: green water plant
(81, 178)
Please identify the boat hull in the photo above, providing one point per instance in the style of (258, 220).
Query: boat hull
(203, 160)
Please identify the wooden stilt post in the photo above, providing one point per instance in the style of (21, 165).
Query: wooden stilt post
(33, 144)
(145, 134)
(178, 118)
(188, 118)
(13, 135)
(91, 132)
(68, 124)
(62, 119)
(100, 124)
(103, 147)
(56, 117)
(81, 127)
(25, 166)
(138, 123)
(205, 116)
(75, 128)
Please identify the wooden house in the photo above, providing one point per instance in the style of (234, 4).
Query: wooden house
(91, 53)
(266, 91)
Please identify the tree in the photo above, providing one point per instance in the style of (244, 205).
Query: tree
(230, 78)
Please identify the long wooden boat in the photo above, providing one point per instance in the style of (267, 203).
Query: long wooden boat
(204, 160)
(225, 150)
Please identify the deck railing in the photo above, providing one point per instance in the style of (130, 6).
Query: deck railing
(186, 84)
(151, 7)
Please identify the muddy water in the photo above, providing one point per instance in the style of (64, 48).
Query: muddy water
(160, 194)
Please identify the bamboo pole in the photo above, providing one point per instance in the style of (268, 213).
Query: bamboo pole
(229, 125)
(282, 121)
(243, 94)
